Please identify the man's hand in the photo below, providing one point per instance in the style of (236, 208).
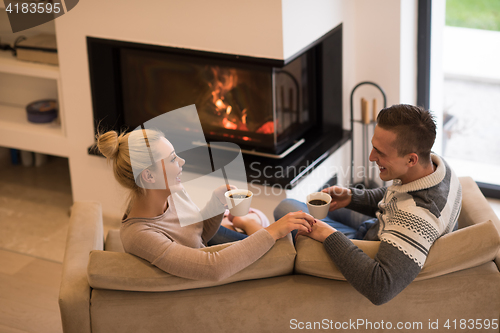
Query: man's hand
(320, 231)
(341, 197)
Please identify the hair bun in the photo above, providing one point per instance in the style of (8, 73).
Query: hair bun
(108, 144)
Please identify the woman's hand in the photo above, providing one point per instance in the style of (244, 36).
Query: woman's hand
(341, 197)
(320, 231)
(221, 190)
(291, 221)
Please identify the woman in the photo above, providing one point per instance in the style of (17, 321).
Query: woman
(144, 161)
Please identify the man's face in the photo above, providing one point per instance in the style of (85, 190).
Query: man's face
(384, 153)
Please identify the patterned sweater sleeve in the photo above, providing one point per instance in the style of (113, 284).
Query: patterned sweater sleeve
(366, 201)
(191, 263)
(379, 279)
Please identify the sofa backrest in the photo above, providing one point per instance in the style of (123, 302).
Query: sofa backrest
(475, 208)
(124, 271)
(465, 248)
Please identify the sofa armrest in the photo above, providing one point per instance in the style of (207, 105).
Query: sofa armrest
(85, 234)
(475, 208)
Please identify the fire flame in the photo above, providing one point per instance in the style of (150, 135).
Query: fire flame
(267, 128)
(229, 125)
(225, 80)
(223, 83)
(219, 103)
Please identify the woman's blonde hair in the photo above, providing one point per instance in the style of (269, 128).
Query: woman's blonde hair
(130, 154)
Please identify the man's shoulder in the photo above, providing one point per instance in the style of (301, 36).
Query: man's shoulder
(434, 198)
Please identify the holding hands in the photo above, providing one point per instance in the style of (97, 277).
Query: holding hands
(300, 220)
(341, 197)
(320, 231)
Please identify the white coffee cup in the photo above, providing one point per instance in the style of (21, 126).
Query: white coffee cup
(239, 206)
(318, 211)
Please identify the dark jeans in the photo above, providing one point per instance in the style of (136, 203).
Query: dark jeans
(352, 224)
(225, 235)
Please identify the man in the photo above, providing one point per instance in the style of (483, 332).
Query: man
(422, 204)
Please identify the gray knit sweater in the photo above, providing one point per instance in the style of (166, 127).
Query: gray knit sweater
(410, 218)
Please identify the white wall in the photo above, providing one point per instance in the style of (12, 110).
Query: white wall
(306, 21)
(381, 47)
(373, 41)
(237, 27)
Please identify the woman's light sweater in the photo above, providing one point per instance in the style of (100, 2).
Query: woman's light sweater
(174, 249)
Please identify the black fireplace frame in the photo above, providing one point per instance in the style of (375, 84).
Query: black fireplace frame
(321, 140)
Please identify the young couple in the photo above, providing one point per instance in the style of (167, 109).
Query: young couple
(421, 205)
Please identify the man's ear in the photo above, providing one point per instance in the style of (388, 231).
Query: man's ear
(412, 159)
(148, 177)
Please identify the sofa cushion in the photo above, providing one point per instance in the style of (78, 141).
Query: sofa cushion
(113, 241)
(475, 208)
(461, 249)
(124, 271)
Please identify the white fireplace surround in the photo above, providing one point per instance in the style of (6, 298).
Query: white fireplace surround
(379, 45)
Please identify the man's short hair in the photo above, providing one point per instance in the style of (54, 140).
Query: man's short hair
(414, 126)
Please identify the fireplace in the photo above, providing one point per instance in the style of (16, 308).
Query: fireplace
(252, 104)
(278, 112)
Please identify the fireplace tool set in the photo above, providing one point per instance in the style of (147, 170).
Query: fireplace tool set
(366, 122)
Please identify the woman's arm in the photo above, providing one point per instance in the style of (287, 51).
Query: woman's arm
(190, 263)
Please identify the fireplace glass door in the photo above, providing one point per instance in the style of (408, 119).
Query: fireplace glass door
(256, 106)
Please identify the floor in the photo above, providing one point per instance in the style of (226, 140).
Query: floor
(29, 289)
(34, 208)
(34, 213)
(29, 281)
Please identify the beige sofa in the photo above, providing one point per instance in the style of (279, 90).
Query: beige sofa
(106, 290)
